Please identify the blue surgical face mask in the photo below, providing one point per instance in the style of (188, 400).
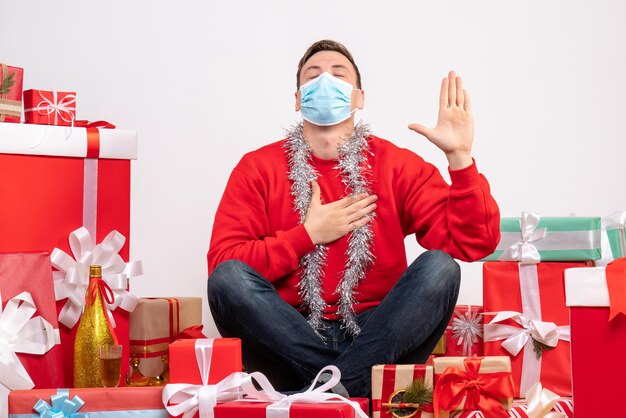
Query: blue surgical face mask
(325, 100)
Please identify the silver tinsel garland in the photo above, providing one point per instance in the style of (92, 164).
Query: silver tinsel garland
(353, 165)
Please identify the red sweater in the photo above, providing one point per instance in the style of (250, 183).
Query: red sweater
(256, 223)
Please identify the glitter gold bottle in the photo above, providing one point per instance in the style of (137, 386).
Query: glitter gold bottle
(94, 330)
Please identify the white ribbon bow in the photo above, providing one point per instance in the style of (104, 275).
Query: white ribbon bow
(540, 402)
(21, 332)
(515, 338)
(523, 251)
(614, 220)
(467, 329)
(64, 108)
(72, 279)
(282, 403)
(189, 399)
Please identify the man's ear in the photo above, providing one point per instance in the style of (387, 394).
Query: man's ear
(358, 97)
(297, 100)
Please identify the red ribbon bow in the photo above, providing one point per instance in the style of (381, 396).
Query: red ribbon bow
(481, 391)
(107, 297)
(616, 283)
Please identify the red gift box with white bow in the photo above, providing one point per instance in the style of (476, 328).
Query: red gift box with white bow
(62, 184)
(50, 107)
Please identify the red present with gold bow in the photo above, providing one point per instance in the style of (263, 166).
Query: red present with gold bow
(51, 184)
(526, 318)
(11, 93)
(597, 300)
(390, 382)
(473, 383)
(154, 325)
(43, 107)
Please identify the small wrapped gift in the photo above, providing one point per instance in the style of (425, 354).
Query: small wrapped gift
(191, 359)
(597, 300)
(92, 402)
(241, 409)
(390, 384)
(526, 319)
(440, 348)
(464, 334)
(29, 356)
(10, 93)
(154, 324)
(532, 239)
(473, 383)
(43, 107)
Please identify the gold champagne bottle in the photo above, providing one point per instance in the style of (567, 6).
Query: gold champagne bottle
(94, 330)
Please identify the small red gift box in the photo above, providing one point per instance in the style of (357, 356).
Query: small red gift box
(389, 379)
(50, 189)
(43, 107)
(225, 359)
(535, 328)
(10, 93)
(594, 295)
(100, 402)
(464, 334)
(238, 409)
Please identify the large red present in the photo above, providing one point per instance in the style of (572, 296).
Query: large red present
(239, 409)
(389, 381)
(50, 107)
(11, 79)
(464, 334)
(532, 322)
(50, 189)
(596, 297)
(94, 402)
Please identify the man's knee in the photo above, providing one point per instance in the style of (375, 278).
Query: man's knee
(441, 268)
(226, 278)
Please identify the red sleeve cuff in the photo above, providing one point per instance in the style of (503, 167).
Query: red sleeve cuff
(465, 178)
(299, 240)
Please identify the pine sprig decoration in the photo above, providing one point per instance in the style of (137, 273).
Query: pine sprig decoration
(7, 83)
(539, 348)
(417, 392)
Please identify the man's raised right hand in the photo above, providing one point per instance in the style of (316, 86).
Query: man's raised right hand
(326, 223)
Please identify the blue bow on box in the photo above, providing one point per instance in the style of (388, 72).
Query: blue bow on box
(62, 406)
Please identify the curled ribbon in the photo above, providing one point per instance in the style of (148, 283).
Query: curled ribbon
(481, 391)
(187, 399)
(21, 332)
(467, 329)
(540, 402)
(61, 406)
(523, 251)
(72, 279)
(516, 338)
(281, 403)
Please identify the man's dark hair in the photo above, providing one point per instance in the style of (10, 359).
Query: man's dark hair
(327, 45)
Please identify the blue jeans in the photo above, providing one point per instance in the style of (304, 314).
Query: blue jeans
(278, 341)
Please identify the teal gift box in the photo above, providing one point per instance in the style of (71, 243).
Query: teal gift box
(531, 239)
(613, 237)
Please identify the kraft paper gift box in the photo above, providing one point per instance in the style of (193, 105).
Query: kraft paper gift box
(142, 402)
(155, 324)
(464, 334)
(11, 79)
(554, 238)
(491, 385)
(54, 180)
(596, 296)
(526, 304)
(390, 380)
(50, 107)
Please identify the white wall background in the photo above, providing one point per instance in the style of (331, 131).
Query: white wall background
(205, 81)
